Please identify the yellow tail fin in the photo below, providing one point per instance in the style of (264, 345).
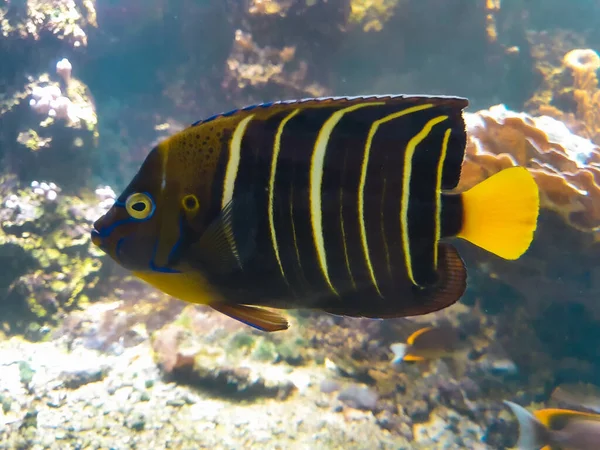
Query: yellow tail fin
(500, 213)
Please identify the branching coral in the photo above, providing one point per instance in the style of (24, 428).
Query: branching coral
(74, 105)
(565, 166)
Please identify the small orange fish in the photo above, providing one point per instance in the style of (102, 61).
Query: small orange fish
(553, 428)
(428, 343)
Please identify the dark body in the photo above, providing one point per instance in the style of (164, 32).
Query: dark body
(336, 205)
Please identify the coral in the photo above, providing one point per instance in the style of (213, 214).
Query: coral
(568, 89)
(547, 50)
(250, 66)
(54, 125)
(64, 69)
(548, 285)
(565, 166)
(584, 63)
(492, 8)
(267, 7)
(64, 19)
(371, 15)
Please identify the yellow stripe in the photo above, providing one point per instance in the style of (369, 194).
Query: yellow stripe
(294, 227)
(316, 179)
(438, 196)
(343, 229)
(410, 150)
(382, 221)
(276, 149)
(166, 244)
(233, 162)
(347, 258)
(165, 154)
(363, 181)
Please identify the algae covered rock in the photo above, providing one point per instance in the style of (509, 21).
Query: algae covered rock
(51, 265)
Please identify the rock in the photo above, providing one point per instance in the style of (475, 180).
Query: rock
(328, 386)
(417, 410)
(74, 379)
(359, 397)
(237, 382)
(136, 422)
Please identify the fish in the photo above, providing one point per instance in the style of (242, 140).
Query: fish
(429, 342)
(552, 428)
(579, 395)
(343, 205)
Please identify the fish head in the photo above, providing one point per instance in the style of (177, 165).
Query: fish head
(142, 230)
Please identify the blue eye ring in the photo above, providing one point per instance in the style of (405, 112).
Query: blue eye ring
(140, 206)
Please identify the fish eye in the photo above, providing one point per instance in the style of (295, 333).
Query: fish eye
(190, 203)
(139, 206)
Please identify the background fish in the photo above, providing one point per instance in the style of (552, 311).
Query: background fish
(336, 204)
(562, 428)
(429, 342)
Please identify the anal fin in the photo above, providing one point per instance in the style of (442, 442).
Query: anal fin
(260, 318)
(451, 284)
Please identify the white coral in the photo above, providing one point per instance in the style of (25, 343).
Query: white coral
(63, 69)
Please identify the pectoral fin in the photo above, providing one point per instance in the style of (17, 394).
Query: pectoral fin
(229, 240)
(259, 318)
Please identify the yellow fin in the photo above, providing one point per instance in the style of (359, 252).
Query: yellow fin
(193, 288)
(413, 358)
(557, 417)
(259, 318)
(189, 287)
(500, 213)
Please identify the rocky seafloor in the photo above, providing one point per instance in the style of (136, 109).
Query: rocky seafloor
(92, 358)
(203, 381)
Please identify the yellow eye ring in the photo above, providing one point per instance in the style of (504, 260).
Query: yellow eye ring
(190, 203)
(139, 206)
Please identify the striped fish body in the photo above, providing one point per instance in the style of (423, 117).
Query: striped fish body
(334, 204)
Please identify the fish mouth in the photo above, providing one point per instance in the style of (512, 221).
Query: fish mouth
(96, 238)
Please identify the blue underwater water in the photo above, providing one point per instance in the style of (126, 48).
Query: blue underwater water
(92, 356)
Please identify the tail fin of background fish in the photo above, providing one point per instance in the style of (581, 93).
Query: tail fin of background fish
(533, 435)
(402, 351)
(399, 350)
(500, 213)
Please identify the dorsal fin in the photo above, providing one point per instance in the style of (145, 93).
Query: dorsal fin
(459, 102)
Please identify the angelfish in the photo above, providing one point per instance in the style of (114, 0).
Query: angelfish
(342, 204)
